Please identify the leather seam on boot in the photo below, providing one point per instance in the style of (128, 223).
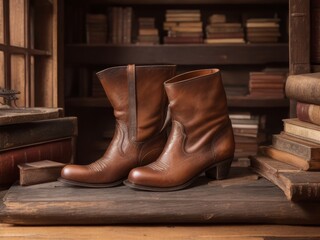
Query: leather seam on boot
(131, 77)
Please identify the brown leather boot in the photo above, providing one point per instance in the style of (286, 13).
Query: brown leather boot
(201, 138)
(140, 107)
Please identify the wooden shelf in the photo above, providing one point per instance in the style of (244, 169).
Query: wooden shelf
(233, 101)
(188, 2)
(188, 54)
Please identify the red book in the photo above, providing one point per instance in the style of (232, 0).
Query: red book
(308, 112)
(59, 151)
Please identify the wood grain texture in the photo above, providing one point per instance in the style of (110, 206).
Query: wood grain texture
(185, 232)
(54, 203)
(1, 26)
(17, 23)
(18, 78)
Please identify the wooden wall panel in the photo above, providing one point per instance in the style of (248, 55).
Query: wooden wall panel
(17, 23)
(18, 77)
(299, 41)
(1, 23)
(2, 81)
(43, 82)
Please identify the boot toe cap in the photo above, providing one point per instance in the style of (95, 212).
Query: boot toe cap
(73, 173)
(145, 176)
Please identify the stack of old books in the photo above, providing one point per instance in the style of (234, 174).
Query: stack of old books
(246, 132)
(263, 30)
(148, 33)
(121, 27)
(96, 28)
(267, 84)
(220, 31)
(33, 135)
(292, 162)
(183, 26)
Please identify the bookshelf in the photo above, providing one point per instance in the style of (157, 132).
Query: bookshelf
(82, 60)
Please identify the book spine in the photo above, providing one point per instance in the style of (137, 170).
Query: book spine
(305, 191)
(292, 147)
(298, 88)
(286, 157)
(308, 113)
(59, 151)
(301, 132)
(13, 136)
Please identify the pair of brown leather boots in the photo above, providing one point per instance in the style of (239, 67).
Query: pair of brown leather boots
(141, 154)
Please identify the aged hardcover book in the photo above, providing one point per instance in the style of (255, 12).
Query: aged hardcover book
(299, 147)
(39, 172)
(17, 135)
(59, 151)
(308, 112)
(300, 129)
(297, 185)
(224, 40)
(290, 159)
(304, 88)
(22, 115)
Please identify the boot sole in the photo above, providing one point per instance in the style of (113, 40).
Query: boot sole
(90, 185)
(217, 171)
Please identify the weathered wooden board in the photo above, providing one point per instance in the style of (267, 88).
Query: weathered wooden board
(253, 201)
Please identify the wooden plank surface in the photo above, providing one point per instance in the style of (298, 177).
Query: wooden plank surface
(172, 232)
(257, 201)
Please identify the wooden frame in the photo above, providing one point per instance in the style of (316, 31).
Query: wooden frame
(299, 41)
(28, 48)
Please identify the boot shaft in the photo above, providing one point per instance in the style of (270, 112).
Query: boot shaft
(198, 101)
(138, 97)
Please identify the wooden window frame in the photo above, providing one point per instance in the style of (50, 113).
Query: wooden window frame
(44, 75)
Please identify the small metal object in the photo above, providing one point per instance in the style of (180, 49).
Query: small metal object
(8, 96)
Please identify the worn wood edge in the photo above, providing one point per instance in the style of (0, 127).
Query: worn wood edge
(70, 214)
(172, 232)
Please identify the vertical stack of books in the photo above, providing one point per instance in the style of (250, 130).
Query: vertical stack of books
(96, 28)
(220, 31)
(148, 33)
(121, 28)
(183, 26)
(267, 84)
(315, 31)
(26, 141)
(263, 30)
(246, 132)
(292, 162)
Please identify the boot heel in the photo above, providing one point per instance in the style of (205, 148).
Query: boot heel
(220, 171)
